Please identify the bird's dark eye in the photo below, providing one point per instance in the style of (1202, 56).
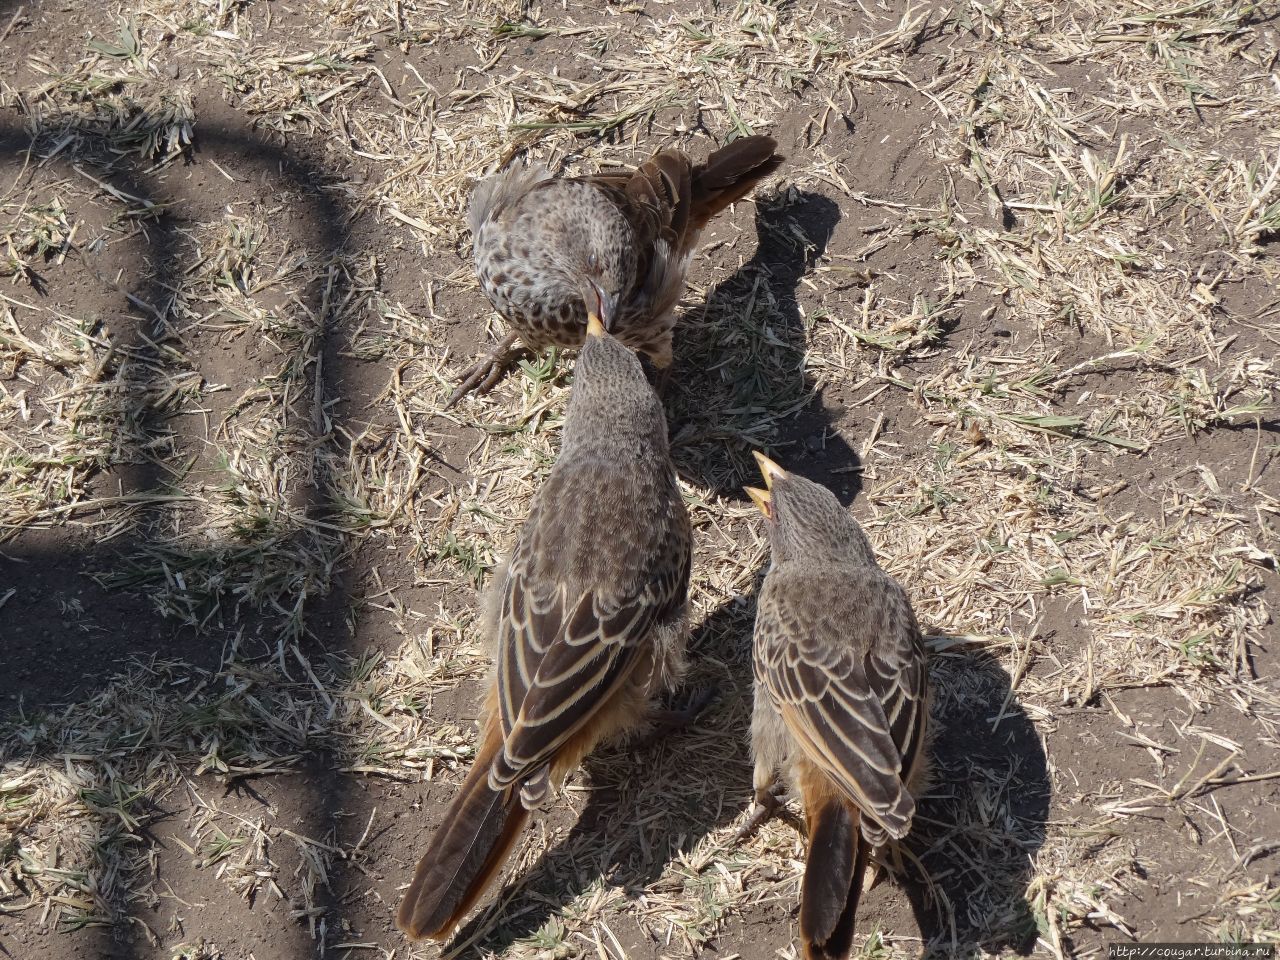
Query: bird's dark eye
(593, 262)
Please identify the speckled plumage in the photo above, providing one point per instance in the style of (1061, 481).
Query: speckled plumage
(587, 622)
(523, 252)
(840, 698)
(545, 247)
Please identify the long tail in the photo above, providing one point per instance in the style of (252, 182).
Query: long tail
(466, 853)
(833, 873)
(730, 174)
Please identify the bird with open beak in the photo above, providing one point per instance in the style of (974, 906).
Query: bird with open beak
(587, 622)
(841, 704)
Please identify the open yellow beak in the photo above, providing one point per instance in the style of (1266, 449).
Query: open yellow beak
(762, 500)
(768, 469)
(594, 327)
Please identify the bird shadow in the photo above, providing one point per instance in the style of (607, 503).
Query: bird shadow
(740, 381)
(983, 820)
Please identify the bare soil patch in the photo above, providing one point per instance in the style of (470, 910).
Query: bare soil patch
(1013, 297)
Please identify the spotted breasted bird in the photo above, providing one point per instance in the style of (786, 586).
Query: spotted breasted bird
(618, 243)
(841, 698)
(586, 621)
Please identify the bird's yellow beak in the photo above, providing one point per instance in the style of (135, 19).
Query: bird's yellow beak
(768, 469)
(762, 500)
(594, 327)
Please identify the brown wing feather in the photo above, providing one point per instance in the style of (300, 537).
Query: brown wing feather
(661, 191)
(667, 201)
(553, 682)
(564, 648)
(840, 655)
(656, 199)
(670, 198)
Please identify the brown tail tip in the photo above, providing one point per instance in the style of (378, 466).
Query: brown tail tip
(466, 853)
(753, 157)
(836, 862)
(465, 856)
(731, 173)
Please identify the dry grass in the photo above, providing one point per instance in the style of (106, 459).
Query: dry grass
(1044, 333)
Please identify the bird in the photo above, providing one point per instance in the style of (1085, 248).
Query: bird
(587, 621)
(547, 249)
(841, 698)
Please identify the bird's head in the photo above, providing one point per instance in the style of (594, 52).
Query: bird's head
(599, 254)
(804, 519)
(602, 285)
(611, 395)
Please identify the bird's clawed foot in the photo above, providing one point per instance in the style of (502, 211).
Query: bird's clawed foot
(482, 375)
(667, 721)
(889, 860)
(874, 876)
(769, 801)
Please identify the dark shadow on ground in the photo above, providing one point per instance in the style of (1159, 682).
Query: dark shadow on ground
(55, 657)
(740, 382)
(984, 817)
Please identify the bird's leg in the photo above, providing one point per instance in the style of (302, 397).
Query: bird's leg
(891, 859)
(875, 874)
(486, 371)
(668, 720)
(896, 865)
(768, 800)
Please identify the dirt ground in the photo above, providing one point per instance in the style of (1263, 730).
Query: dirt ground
(1014, 296)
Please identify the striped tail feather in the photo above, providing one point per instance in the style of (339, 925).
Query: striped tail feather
(730, 174)
(466, 853)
